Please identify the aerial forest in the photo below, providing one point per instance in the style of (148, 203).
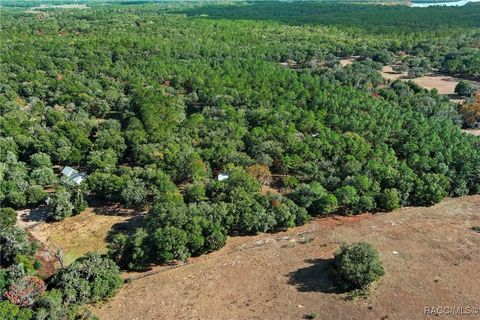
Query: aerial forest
(220, 120)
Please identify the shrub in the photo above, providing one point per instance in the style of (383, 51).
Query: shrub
(430, 188)
(50, 306)
(289, 182)
(314, 198)
(389, 200)
(43, 176)
(25, 291)
(129, 251)
(66, 202)
(4, 281)
(348, 197)
(471, 111)
(358, 264)
(325, 204)
(36, 194)
(40, 160)
(261, 173)
(401, 68)
(464, 88)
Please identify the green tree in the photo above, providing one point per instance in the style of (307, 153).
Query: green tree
(60, 204)
(170, 243)
(88, 279)
(8, 218)
(389, 199)
(10, 311)
(102, 160)
(14, 242)
(358, 264)
(134, 194)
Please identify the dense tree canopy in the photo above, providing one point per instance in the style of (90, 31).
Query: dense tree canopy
(190, 118)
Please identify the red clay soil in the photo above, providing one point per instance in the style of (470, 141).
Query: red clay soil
(431, 257)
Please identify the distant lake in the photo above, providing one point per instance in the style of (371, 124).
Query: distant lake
(448, 4)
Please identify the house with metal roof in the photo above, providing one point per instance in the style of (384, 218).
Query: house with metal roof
(73, 175)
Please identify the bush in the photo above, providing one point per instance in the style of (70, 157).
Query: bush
(471, 111)
(358, 264)
(430, 188)
(464, 88)
(389, 200)
(50, 306)
(89, 279)
(314, 198)
(40, 160)
(261, 173)
(25, 291)
(4, 281)
(195, 192)
(129, 251)
(289, 182)
(348, 197)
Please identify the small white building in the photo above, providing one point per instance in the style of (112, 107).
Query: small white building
(73, 175)
(222, 177)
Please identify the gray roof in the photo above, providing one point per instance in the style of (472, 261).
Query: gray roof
(73, 175)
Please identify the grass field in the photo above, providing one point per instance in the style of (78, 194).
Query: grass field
(85, 232)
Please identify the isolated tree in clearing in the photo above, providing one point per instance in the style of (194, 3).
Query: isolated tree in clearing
(358, 264)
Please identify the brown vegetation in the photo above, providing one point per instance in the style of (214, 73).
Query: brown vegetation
(471, 111)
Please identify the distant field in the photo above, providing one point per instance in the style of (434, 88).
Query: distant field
(431, 257)
(445, 84)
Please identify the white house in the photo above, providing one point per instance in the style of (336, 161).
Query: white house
(73, 175)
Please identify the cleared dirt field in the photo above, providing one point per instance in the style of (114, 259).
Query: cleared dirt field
(431, 257)
(443, 83)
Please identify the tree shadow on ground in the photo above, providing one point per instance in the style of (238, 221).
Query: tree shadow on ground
(36, 214)
(127, 227)
(320, 276)
(112, 210)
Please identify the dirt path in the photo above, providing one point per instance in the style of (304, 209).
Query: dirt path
(475, 132)
(431, 257)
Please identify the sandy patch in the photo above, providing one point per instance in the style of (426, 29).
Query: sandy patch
(347, 61)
